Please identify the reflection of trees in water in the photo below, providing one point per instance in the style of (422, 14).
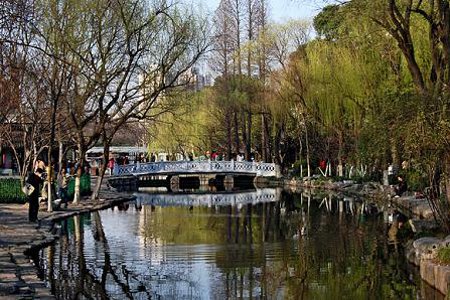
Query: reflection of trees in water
(292, 248)
(74, 279)
(350, 257)
(341, 255)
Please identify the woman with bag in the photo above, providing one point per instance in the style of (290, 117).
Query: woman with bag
(35, 180)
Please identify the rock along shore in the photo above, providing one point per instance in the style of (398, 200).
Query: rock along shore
(18, 275)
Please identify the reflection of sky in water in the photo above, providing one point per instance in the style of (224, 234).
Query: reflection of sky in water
(187, 271)
(192, 253)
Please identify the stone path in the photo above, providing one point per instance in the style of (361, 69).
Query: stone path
(18, 276)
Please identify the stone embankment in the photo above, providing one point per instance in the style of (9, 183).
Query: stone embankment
(18, 275)
(423, 253)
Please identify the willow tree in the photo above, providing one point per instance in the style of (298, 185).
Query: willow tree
(283, 41)
(331, 92)
(420, 30)
(188, 128)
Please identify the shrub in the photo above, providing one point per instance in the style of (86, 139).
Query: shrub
(296, 168)
(415, 180)
(85, 186)
(10, 191)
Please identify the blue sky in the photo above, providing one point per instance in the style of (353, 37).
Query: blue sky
(282, 10)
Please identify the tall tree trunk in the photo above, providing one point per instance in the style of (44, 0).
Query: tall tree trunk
(51, 169)
(398, 26)
(340, 153)
(244, 134)
(278, 150)
(250, 22)
(268, 139)
(300, 154)
(50, 175)
(263, 138)
(101, 175)
(445, 37)
(447, 177)
(395, 159)
(248, 145)
(229, 136)
(237, 142)
(238, 36)
(79, 172)
(308, 162)
(60, 154)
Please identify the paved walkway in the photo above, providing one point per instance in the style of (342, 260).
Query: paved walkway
(18, 276)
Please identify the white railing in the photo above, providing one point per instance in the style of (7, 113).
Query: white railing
(198, 167)
(241, 198)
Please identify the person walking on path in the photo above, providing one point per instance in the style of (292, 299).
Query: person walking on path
(35, 180)
(63, 183)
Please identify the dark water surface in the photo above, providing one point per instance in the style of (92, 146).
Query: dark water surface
(266, 244)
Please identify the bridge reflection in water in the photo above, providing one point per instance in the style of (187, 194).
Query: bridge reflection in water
(210, 199)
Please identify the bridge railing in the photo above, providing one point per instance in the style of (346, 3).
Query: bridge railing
(195, 167)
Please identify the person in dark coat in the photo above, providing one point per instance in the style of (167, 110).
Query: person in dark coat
(35, 179)
(401, 187)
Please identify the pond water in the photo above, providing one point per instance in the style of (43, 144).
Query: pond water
(257, 244)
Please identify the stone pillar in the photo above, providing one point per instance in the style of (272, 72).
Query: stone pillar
(174, 183)
(228, 182)
(204, 180)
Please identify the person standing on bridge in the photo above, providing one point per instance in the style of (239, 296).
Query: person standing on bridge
(111, 165)
(115, 170)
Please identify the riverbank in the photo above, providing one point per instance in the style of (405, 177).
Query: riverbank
(18, 276)
(417, 208)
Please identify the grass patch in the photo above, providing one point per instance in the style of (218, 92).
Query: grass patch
(10, 191)
(443, 255)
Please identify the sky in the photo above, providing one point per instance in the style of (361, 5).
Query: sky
(282, 10)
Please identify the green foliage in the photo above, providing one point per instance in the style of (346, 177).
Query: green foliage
(185, 129)
(416, 180)
(10, 191)
(296, 167)
(327, 22)
(85, 186)
(443, 255)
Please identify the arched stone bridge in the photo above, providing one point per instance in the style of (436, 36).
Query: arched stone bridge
(200, 167)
